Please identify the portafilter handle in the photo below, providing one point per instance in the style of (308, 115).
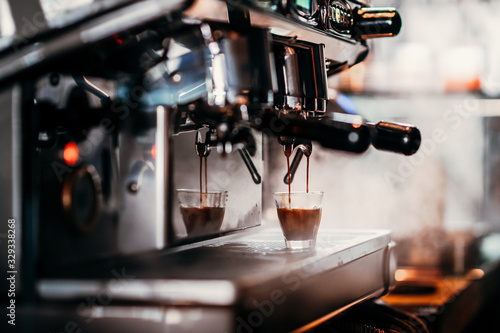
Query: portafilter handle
(398, 138)
(333, 134)
(374, 22)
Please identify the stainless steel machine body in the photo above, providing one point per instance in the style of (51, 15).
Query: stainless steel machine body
(103, 116)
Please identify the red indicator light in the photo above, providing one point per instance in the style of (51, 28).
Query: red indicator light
(153, 151)
(118, 40)
(71, 153)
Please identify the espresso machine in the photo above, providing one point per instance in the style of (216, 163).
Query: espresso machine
(113, 108)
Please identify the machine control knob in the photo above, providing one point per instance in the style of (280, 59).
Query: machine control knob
(81, 198)
(376, 22)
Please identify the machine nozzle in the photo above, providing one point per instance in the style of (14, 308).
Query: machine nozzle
(202, 148)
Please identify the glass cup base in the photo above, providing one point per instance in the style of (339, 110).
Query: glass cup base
(300, 244)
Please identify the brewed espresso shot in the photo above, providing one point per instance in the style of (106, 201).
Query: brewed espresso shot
(202, 213)
(299, 214)
(299, 224)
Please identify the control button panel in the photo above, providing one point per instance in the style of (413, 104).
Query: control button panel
(339, 17)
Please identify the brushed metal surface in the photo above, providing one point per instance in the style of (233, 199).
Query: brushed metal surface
(339, 48)
(142, 214)
(253, 279)
(241, 267)
(29, 56)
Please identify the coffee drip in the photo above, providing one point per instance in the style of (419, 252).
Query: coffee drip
(302, 149)
(287, 153)
(203, 150)
(203, 158)
(289, 175)
(307, 175)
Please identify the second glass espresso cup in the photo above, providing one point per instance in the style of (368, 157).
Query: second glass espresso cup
(299, 214)
(202, 213)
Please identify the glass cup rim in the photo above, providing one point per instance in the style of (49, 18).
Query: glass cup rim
(184, 190)
(299, 192)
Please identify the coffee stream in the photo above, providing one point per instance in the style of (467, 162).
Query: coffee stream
(289, 180)
(206, 174)
(202, 197)
(307, 177)
(287, 154)
(201, 178)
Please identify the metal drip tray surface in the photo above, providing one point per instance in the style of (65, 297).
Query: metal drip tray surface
(232, 271)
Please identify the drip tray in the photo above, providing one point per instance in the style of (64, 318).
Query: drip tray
(244, 273)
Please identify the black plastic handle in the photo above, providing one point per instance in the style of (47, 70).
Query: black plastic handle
(333, 134)
(399, 138)
(373, 22)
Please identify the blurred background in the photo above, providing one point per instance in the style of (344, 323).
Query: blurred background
(442, 74)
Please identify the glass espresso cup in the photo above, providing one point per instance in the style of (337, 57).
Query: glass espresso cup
(299, 215)
(202, 213)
